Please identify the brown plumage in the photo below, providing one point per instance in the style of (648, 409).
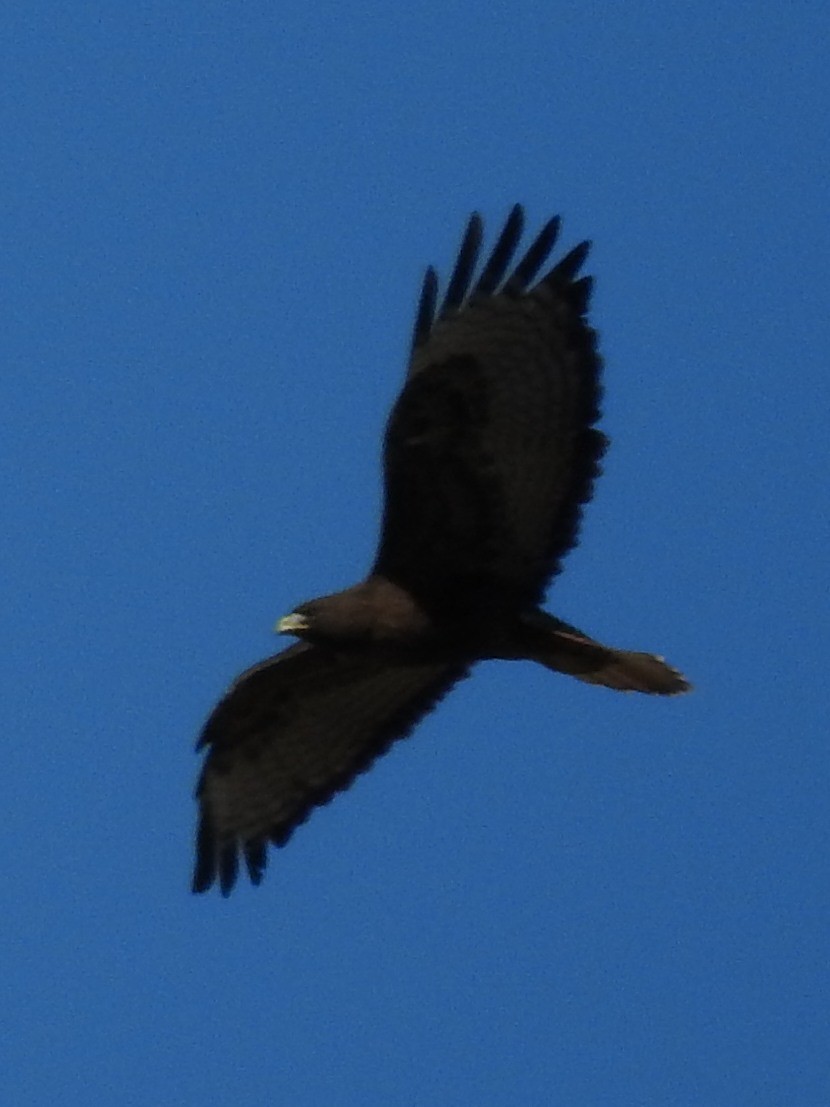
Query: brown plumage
(490, 452)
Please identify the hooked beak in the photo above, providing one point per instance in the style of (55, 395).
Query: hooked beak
(291, 624)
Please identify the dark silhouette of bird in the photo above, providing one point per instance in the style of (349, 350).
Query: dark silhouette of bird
(490, 453)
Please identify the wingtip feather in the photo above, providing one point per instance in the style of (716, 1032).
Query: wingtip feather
(502, 254)
(465, 265)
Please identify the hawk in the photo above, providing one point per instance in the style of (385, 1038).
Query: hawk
(490, 453)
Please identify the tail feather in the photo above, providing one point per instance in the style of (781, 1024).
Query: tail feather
(567, 650)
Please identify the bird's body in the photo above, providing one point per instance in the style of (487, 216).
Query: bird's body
(490, 452)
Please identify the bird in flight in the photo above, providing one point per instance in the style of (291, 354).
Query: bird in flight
(490, 453)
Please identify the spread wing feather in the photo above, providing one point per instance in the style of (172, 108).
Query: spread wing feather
(534, 259)
(464, 266)
(494, 271)
(289, 734)
(491, 449)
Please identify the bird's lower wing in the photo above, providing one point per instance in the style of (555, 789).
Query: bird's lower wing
(289, 734)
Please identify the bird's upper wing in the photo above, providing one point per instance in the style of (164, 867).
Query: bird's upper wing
(289, 734)
(490, 450)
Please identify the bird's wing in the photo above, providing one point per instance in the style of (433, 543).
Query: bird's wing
(289, 734)
(490, 451)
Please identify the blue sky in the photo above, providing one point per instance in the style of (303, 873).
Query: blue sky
(215, 221)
